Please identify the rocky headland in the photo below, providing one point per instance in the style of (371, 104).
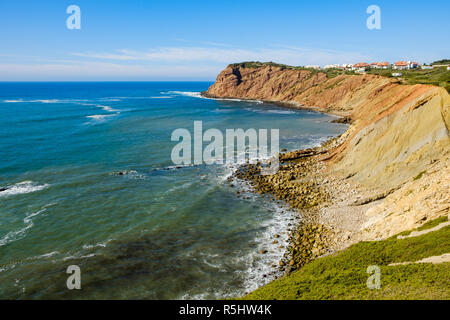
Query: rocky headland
(389, 173)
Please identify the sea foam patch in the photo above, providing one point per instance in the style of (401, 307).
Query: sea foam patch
(22, 188)
(100, 117)
(194, 94)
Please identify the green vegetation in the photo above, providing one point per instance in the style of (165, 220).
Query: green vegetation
(436, 76)
(433, 223)
(443, 61)
(428, 225)
(331, 73)
(344, 275)
(420, 175)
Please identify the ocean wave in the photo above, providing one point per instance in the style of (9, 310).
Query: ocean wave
(7, 267)
(106, 108)
(179, 187)
(37, 101)
(260, 268)
(101, 117)
(44, 256)
(13, 101)
(22, 188)
(100, 244)
(224, 110)
(115, 99)
(132, 174)
(194, 94)
(15, 235)
(273, 111)
(101, 106)
(174, 167)
(20, 233)
(46, 101)
(79, 257)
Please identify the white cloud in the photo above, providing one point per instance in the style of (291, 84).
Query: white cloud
(166, 63)
(79, 70)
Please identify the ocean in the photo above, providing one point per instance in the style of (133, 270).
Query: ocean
(86, 179)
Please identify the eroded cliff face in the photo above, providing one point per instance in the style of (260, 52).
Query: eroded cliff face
(396, 132)
(397, 147)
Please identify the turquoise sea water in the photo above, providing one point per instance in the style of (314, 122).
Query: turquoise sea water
(156, 232)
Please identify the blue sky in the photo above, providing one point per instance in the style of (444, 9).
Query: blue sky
(194, 40)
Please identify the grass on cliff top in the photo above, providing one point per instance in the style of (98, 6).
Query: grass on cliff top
(438, 76)
(344, 275)
(331, 73)
(428, 225)
(443, 61)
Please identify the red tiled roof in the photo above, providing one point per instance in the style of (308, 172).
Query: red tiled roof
(361, 65)
(401, 63)
(383, 64)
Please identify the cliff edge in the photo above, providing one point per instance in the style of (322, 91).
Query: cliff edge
(397, 145)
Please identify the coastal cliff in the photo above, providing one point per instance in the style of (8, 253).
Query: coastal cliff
(390, 170)
(388, 174)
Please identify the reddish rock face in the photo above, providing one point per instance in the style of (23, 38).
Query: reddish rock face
(395, 128)
(265, 83)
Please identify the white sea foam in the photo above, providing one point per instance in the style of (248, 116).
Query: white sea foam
(110, 99)
(174, 167)
(273, 111)
(7, 267)
(228, 110)
(260, 265)
(15, 235)
(101, 117)
(100, 244)
(44, 256)
(194, 94)
(106, 108)
(179, 187)
(34, 101)
(101, 106)
(44, 101)
(13, 101)
(22, 188)
(20, 233)
(79, 257)
(281, 111)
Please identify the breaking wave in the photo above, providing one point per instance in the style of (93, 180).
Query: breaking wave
(21, 188)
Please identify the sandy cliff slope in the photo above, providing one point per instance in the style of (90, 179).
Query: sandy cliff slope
(398, 143)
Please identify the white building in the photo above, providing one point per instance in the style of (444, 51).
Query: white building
(331, 66)
(405, 65)
(360, 67)
(313, 67)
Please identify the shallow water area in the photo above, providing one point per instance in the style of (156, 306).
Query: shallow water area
(86, 179)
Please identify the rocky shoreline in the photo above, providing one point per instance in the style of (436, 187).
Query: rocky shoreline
(388, 173)
(297, 185)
